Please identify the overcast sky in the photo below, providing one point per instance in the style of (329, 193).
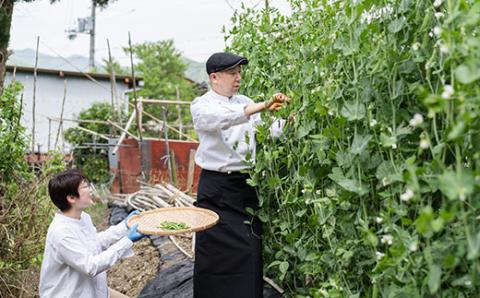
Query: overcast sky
(195, 25)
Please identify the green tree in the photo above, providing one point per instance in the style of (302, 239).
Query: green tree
(114, 66)
(25, 209)
(89, 159)
(12, 138)
(6, 11)
(162, 68)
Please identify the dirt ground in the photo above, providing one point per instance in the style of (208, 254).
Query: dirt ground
(130, 275)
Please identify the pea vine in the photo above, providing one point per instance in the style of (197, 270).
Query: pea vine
(373, 190)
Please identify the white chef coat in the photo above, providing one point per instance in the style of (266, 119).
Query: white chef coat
(227, 135)
(76, 257)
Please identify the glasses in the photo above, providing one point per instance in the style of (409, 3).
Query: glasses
(93, 191)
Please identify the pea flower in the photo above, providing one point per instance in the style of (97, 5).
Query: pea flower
(379, 255)
(437, 3)
(416, 120)
(444, 49)
(447, 91)
(373, 122)
(378, 220)
(463, 192)
(407, 195)
(437, 31)
(387, 239)
(413, 246)
(439, 15)
(424, 144)
(415, 46)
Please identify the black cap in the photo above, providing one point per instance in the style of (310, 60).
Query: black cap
(223, 61)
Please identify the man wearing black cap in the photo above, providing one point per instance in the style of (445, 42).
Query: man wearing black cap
(228, 257)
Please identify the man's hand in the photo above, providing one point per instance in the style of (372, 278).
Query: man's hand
(277, 101)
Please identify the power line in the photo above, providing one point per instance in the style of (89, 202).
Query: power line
(74, 66)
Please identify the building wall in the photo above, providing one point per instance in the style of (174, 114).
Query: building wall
(81, 94)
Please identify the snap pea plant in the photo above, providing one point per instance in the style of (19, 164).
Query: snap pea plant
(373, 190)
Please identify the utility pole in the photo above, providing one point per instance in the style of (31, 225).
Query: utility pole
(86, 26)
(91, 62)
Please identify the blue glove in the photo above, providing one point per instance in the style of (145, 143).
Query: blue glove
(134, 212)
(133, 234)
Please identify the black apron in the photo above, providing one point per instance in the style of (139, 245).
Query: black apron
(228, 257)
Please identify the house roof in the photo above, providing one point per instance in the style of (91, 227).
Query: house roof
(70, 73)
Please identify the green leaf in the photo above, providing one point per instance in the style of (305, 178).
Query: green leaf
(456, 185)
(457, 131)
(305, 129)
(434, 278)
(396, 25)
(274, 263)
(424, 221)
(344, 159)
(462, 281)
(474, 247)
(283, 267)
(250, 211)
(360, 143)
(348, 184)
(468, 72)
(387, 141)
(386, 173)
(353, 110)
(403, 130)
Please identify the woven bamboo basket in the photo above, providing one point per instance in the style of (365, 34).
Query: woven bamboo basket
(197, 219)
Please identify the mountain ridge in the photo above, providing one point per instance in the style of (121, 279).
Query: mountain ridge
(26, 57)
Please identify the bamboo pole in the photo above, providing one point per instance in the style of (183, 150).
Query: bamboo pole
(14, 76)
(179, 247)
(173, 164)
(191, 170)
(60, 124)
(49, 133)
(165, 101)
(167, 147)
(138, 116)
(122, 137)
(93, 132)
(169, 126)
(63, 140)
(34, 92)
(179, 111)
(121, 128)
(79, 121)
(113, 86)
(176, 191)
(273, 284)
